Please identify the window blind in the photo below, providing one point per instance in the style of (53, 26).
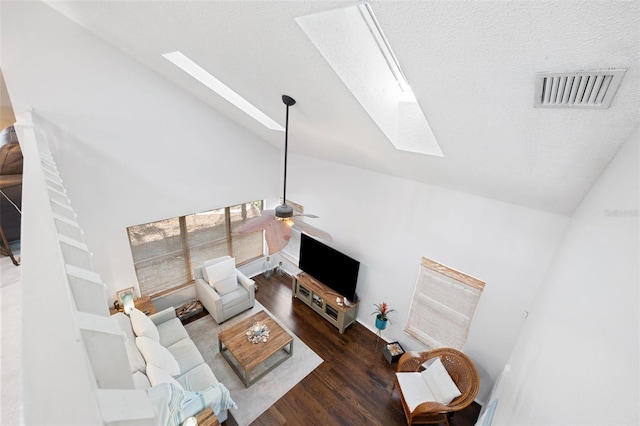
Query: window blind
(443, 305)
(166, 252)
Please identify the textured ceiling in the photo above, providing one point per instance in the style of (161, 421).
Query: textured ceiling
(471, 66)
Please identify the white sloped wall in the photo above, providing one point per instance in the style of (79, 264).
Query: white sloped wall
(577, 360)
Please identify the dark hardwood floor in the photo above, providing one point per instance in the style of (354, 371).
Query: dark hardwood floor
(353, 386)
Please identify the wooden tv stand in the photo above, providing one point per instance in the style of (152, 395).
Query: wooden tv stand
(323, 300)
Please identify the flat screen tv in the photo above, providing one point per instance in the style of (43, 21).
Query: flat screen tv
(329, 266)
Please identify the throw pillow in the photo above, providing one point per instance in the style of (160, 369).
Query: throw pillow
(141, 381)
(156, 354)
(226, 285)
(439, 381)
(221, 270)
(222, 276)
(158, 376)
(142, 325)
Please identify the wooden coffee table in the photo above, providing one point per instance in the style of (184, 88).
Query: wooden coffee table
(245, 356)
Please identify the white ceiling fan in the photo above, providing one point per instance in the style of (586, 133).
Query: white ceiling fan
(277, 223)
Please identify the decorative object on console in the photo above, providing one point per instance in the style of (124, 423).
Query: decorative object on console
(382, 312)
(126, 298)
(267, 268)
(277, 223)
(127, 301)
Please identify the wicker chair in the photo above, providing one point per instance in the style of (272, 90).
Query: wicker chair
(462, 372)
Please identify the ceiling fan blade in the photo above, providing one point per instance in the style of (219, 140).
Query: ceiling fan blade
(312, 230)
(277, 235)
(313, 216)
(257, 223)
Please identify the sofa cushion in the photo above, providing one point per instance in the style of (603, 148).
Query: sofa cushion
(198, 378)
(171, 331)
(156, 354)
(142, 325)
(136, 361)
(141, 381)
(186, 354)
(158, 376)
(237, 296)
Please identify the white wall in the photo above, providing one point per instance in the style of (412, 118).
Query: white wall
(576, 362)
(131, 148)
(389, 223)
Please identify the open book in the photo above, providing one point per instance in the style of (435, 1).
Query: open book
(433, 384)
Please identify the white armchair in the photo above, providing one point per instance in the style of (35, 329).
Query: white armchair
(223, 290)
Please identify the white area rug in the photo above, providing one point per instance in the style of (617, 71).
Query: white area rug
(254, 400)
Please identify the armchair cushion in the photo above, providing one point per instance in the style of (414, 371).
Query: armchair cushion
(414, 389)
(226, 285)
(439, 381)
(222, 276)
(431, 385)
(235, 297)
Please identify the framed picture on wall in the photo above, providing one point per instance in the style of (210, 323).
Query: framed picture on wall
(126, 294)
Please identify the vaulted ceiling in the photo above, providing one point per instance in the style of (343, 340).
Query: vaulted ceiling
(472, 66)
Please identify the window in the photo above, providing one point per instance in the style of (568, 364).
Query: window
(444, 302)
(166, 252)
(292, 250)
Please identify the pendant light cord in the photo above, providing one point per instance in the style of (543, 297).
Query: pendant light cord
(286, 144)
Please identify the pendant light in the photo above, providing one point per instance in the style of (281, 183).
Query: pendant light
(284, 211)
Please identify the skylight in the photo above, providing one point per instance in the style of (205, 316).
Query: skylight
(204, 77)
(352, 42)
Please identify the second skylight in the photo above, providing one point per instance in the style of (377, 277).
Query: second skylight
(352, 42)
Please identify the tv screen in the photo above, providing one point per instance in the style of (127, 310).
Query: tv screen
(332, 268)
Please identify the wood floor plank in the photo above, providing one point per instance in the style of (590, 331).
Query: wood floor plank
(353, 386)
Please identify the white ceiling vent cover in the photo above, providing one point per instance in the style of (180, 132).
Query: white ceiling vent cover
(588, 89)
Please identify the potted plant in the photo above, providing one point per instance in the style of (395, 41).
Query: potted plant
(382, 312)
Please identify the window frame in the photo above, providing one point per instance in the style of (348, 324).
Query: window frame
(186, 248)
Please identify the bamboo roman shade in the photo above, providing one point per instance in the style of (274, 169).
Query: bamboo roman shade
(443, 305)
(166, 252)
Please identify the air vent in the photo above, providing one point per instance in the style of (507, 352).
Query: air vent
(589, 89)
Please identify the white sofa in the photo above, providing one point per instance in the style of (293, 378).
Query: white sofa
(224, 301)
(194, 374)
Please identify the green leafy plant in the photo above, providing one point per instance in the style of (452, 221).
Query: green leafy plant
(382, 309)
